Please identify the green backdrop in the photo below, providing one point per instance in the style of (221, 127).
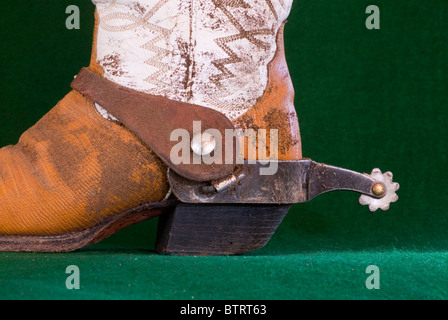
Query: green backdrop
(365, 99)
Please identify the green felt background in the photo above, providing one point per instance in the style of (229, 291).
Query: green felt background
(365, 99)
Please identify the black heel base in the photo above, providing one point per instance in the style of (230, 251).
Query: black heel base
(229, 229)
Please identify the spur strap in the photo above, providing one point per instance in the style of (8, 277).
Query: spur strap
(153, 119)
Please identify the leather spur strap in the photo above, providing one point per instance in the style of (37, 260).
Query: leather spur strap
(153, 119)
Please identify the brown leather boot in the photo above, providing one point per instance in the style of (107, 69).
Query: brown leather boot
(152, 127)
(80, 174)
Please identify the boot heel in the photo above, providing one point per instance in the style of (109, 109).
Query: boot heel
(228, 229)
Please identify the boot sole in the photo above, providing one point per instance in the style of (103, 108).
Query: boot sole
(183, 229)
(79, 239)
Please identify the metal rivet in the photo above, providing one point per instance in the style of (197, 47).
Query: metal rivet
(203, 144)
(378, 189)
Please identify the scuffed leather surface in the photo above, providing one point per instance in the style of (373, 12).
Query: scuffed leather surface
(154, 118)
(72, 170)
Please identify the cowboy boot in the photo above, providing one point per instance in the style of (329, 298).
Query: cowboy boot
(80, 174)
(102, 158)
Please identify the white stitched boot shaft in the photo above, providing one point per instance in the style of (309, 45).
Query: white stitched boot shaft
(213, 53)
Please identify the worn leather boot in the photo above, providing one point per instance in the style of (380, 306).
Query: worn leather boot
(98, 161)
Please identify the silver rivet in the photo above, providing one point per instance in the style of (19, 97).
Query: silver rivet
(203, 144)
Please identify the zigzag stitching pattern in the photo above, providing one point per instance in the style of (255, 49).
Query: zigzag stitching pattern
(220, 64)
(155, 61)
(271, 7)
